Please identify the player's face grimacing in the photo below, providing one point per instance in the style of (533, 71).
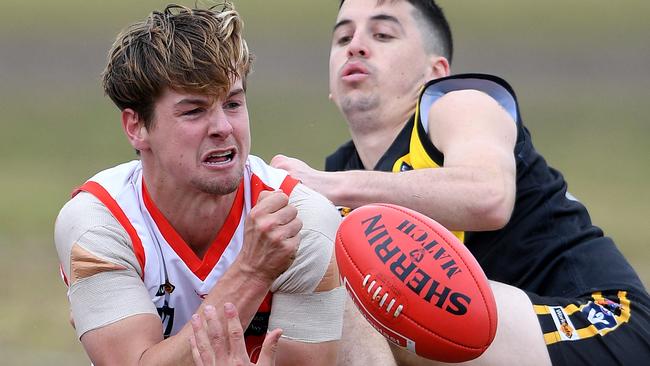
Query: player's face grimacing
(377, 56)
(199, 142)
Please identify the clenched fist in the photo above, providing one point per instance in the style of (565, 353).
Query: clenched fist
(271, 237)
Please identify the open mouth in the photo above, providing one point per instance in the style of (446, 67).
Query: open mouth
(218, 158)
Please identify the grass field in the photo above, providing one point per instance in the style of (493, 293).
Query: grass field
(580, 70)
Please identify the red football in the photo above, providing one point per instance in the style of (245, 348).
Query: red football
(416, 283)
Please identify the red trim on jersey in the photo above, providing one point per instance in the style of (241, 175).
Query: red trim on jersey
(102, 194)
(63, 277)
(257, 186)
(200, 267)
(289, 184)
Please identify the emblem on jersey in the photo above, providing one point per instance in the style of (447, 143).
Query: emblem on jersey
(166, 287)
(600, 315)
(344, 211)
(563, 324)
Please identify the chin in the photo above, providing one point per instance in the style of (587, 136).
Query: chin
(220, 186)
(359, 103)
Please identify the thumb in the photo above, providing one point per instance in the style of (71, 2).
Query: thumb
(269, 348)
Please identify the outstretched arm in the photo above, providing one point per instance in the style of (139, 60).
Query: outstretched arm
(474, 189)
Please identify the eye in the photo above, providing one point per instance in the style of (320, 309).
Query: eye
(383, 36)
(193, 112)
(231, 105)
(343, 40)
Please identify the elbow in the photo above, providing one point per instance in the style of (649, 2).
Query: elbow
(493, 209)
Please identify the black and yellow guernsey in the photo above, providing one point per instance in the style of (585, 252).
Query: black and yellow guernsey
(549, 247)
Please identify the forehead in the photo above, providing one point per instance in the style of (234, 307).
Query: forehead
(360, 10)
(174, 96)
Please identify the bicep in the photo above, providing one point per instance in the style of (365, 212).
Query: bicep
(472, 129)
(103, 273)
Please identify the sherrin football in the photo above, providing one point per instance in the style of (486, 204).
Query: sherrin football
(416, 283)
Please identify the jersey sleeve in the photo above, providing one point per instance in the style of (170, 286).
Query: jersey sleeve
(97, 258)
(297, 308)
(493, 86)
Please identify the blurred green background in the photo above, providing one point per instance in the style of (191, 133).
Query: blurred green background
(580, 69)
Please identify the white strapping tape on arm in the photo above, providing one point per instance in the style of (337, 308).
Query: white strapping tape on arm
(309, 317)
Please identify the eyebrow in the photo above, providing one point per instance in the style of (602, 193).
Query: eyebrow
(203, 101)
(378, 17)
(235, 92)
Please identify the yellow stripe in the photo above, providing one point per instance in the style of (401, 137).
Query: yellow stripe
(541, 309)
(571, 308)
(626, 311)
(552, 337)
(591, 330)
(588, 332)
(417, 158)
(597, 296)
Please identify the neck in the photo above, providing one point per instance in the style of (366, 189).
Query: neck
(373, 133)
(196, 216)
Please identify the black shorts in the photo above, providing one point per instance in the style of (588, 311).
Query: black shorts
(604, 328)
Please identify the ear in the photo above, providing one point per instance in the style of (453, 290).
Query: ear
(134, 129)
(439, 67)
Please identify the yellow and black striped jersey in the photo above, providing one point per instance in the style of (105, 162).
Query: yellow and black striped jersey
(549, 246)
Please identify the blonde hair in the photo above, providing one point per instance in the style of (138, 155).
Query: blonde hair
(198, 51)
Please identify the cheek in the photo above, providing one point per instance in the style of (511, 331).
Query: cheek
(242, 133)
(334, 67)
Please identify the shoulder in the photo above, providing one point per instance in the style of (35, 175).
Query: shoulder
(83, 213)
(461, 87)
(86, 228)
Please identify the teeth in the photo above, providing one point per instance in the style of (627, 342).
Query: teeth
(220, 155)
(219, 158)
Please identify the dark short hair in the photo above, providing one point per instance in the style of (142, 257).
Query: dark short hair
(438, 40)
(191, 50)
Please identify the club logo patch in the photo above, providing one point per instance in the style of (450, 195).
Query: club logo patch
(600, 316)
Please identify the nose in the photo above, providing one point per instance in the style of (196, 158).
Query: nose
(219, 124)
(358, 47)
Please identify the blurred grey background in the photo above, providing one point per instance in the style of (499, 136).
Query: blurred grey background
(580, 70)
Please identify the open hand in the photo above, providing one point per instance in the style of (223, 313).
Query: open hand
(221, 342)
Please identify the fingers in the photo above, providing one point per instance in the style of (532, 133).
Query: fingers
(235, 332)
(271, 202)
(271, 236)
(196, 355)
(269, 348)
(220, 341)
(215, 332)
(274, 213)
(202, 352)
